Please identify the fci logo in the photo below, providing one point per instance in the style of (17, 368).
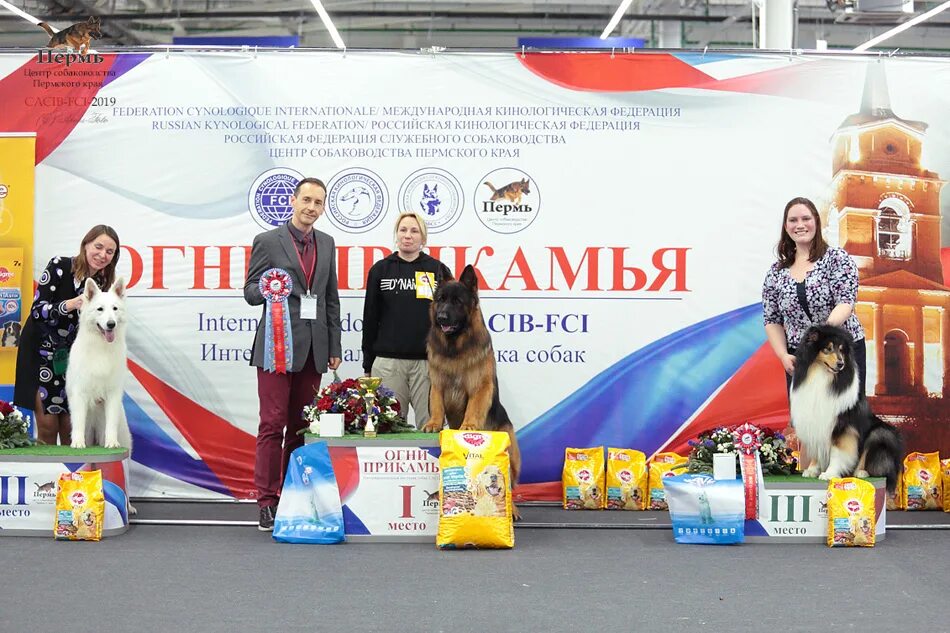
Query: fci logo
(13, 490)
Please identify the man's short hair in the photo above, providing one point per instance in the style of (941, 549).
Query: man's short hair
(309, 181)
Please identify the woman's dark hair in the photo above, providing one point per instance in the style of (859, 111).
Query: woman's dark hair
(786, 247)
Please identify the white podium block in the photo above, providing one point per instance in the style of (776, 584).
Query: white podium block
(331, 425)
(724, 466)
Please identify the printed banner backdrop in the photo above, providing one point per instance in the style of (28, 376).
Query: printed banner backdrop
(17, 159)
(622, 211)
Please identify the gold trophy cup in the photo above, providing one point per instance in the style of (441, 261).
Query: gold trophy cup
(369, 385)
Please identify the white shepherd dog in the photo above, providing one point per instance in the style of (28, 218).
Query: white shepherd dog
(95, 376)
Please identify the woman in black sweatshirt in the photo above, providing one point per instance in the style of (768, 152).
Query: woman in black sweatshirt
(399, 290)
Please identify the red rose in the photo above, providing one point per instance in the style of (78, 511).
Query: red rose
(5, 408)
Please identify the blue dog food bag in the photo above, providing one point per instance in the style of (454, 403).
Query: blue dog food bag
(706, 510)
(309, 510)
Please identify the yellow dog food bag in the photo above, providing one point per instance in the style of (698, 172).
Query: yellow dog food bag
(923, 488)
(583, 479)
(475, 491)
(945, 476)
(626, 479)
(663, 465)
(80, 506)
(851, 517)
(898, 500)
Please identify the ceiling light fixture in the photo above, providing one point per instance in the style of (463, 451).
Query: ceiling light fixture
(874, 41)
(26, 16)
(327, 22)
(624, 5)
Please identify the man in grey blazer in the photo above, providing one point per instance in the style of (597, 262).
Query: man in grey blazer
(309, 256)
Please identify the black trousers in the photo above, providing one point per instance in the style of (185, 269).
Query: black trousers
(860, 357)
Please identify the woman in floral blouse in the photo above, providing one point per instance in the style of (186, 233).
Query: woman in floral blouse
(810, 284)
(50, 330)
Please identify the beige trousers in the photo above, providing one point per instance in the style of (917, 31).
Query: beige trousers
(409, 379)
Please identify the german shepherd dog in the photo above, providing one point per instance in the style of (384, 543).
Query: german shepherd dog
(512, 191)
(462, 369)
(76, 37)
(832, 418)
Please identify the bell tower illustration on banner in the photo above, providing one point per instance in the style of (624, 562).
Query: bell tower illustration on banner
(884, 209)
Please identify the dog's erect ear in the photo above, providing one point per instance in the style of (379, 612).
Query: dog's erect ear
(441, 277)
(119, 286)
(91, 289)
(811, 335)
(469, 279)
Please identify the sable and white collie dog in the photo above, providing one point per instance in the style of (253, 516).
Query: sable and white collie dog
(832, 418)
(95, 376)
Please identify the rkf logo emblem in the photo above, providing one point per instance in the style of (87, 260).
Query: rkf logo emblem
(473, 439)
(78, 498)
(853, 506)
(357, 200)
(583, 475)
(507, 200)
(626, 476)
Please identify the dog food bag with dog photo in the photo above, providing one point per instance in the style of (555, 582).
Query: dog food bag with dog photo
(923, 488)
(663, 465)
(705, 510)
(626, 479)
(851, 520)
(80, 506)
(475, 491)
(898, 500)
(945, 478)
(583, 479)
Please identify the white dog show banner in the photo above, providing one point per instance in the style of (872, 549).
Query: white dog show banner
(621, 210)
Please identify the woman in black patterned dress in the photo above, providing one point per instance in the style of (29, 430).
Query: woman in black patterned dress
(50, 330)
(810, 284)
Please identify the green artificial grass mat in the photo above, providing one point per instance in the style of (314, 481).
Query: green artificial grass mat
(382, 437)
(798, 479)
(46, 449)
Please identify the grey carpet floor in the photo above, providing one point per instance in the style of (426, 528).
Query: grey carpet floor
(533, 515)
(171, 578)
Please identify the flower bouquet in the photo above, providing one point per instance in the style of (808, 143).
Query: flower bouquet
(774, 453)
(14, 428)
(346, 397)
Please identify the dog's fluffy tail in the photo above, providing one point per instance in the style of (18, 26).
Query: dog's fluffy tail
(884, 452)
(490, 186)
(46, 27)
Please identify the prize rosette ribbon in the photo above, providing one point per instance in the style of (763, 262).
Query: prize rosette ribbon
(747, 440)
(275, 285)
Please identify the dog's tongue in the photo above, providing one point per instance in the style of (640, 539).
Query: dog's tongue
(109, 335)
(446, 329)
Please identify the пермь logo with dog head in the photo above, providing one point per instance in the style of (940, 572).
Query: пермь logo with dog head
(507, 200)
(357, 200)
(434, 194)
(268, 200)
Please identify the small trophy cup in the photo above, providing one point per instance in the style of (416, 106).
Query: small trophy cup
(369, 385)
